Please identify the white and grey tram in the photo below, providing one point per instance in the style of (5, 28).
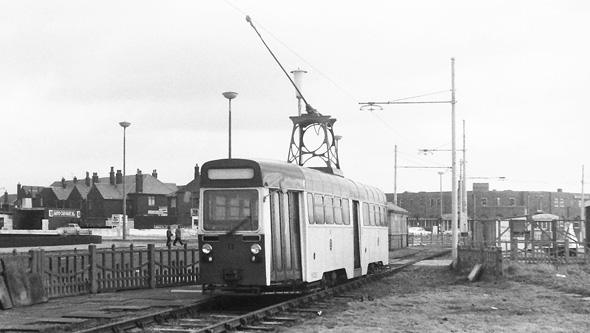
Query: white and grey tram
(274, 226)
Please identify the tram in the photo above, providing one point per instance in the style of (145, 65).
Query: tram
(269, 226)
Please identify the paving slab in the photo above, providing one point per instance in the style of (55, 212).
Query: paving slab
(93, 315)
(23, 328)
(125, 308)
(57, 320)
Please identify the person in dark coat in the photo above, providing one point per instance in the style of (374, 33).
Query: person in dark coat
(168, 237)
(178, 234)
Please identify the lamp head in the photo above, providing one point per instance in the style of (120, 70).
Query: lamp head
(125, 124)
(230, 95)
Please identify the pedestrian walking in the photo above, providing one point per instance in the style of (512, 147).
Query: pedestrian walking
(168, 237)
(178, 234)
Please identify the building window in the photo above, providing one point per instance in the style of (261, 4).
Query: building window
(561, 202)
(400, 202)
(151, 200)
(484, 201)
(438, 201)
(498, 202)
(512, 201)
(431, 202)
(556, 202)
(173, 203)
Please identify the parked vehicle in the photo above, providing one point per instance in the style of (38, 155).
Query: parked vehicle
(417, 231)
(450, 232)
(72, 229)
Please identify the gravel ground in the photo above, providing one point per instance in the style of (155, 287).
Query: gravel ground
(438, 299)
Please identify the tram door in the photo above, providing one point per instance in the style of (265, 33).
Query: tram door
(285, 233)
(355, 223)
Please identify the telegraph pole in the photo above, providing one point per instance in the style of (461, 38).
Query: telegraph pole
(583, 212)
(395, 177)
(371, 106)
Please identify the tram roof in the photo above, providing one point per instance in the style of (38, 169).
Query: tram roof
(277, 174)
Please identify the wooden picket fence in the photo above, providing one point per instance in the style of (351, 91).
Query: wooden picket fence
(105, 270)
(489, 257)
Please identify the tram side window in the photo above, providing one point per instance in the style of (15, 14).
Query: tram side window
(366, 213)
(310, 208)
(318, 209)
(372, 214)
(345, 212)
(329, 210)
(337, 210)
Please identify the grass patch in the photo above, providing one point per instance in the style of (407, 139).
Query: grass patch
(572, 278)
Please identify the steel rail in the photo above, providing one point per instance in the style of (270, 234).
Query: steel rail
(233, 324)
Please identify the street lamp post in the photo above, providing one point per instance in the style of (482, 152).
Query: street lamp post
(124, 124)
(230, 95)
(440, 173)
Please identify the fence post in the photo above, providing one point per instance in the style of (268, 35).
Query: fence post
(151, 266)
(566, 249)
(92, 269)
(36, 260)
(513, 248)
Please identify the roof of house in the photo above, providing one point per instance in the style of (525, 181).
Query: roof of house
(60, 192)
(395, 208)
(11, 198)
(108, 191)
(151, 185)
(83, 190)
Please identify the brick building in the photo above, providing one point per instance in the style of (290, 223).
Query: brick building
(92, 201)
(485, 204)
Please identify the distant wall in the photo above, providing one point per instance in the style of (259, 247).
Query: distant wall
(12, 240)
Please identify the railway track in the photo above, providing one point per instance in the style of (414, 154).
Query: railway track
(260, 314)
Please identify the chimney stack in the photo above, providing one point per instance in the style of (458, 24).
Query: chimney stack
(63, 182)
(155, 174)
(196, 171)
(112, 176)
(94, 177)
(139, 182)
(87, 180)
(119, 177)
(75, 180)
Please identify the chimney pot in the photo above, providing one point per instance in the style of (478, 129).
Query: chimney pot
(112, 176)
(139, 182)
(119, 177)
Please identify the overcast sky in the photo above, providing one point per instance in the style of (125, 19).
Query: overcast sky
(70, 71)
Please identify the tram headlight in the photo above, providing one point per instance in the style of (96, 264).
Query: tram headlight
(206, 248)
(255, 249)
